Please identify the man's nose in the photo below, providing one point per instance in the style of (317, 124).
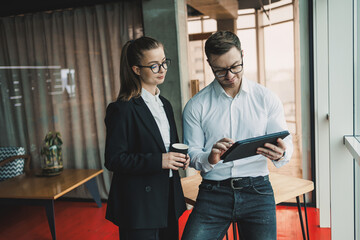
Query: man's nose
(229, 74)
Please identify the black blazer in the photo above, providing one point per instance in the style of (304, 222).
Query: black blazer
(139, 192)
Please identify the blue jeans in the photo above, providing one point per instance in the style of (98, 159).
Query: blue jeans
(252, 207)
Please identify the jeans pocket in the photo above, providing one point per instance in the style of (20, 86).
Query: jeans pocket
(263, 189)
(206, 187)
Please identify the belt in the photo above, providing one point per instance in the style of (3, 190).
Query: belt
(238, 183)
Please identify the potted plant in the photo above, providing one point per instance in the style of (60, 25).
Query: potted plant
(51, 154)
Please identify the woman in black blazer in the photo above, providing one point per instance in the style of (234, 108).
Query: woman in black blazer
(146, 198)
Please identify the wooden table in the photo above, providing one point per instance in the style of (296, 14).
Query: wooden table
(29, 189)
(285, 188)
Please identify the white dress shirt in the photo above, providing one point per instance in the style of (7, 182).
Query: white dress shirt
(156, 107)
(212, 115)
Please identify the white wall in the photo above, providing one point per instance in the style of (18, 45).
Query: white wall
(333, 47)
(321, 98)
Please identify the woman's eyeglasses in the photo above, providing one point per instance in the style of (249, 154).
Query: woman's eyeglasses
(155, 68)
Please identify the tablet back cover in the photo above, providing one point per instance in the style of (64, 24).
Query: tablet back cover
(247, 147)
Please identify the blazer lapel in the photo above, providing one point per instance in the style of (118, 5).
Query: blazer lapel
(149, 121)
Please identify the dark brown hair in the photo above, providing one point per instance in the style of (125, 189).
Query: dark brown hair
(131, 54)
(221, 42)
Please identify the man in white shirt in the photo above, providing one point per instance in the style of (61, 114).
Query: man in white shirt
(233, 108)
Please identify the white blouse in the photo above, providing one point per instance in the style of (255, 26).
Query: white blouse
(157, 110)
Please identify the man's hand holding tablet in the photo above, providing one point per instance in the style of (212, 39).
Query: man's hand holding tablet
(270, 145)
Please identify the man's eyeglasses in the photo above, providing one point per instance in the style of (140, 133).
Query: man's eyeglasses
(223, 72)
(155, 68)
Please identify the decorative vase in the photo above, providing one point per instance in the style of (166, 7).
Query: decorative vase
(51, 154)
(52, 162)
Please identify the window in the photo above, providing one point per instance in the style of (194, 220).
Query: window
(278, 14)
(248, 45)
(209, 25)
(246, 25)
(201, 25)
(276, 70)
(199, 69)
(246, 21)
(279, 67)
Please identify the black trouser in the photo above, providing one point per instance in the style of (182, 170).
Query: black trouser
(169, 233)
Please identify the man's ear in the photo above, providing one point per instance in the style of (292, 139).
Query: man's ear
(136, 70)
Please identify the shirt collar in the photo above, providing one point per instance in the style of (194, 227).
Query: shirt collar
(243, 88)
(244, 85)
(149, 98)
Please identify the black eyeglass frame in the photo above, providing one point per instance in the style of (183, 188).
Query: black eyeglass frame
(167, 62)
(227, 70)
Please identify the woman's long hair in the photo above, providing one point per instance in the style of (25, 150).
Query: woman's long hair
(131, 55)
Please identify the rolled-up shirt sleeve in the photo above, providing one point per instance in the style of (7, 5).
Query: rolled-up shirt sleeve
(194, 138)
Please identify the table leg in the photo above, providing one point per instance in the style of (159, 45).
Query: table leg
(94, 191)
(234, 231)
(300, 216)
(49, 207)
(306, 219)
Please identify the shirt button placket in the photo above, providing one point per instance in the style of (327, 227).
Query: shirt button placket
(232, 130)
(231, 120)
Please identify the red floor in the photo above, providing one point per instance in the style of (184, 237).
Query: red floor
(83, 220)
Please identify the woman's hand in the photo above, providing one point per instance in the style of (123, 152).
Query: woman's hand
(187, 163)
(173, 160)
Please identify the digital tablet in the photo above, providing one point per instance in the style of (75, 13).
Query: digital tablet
(246, 148)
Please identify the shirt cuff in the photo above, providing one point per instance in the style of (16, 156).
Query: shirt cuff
(201, 162)
(283, 160)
